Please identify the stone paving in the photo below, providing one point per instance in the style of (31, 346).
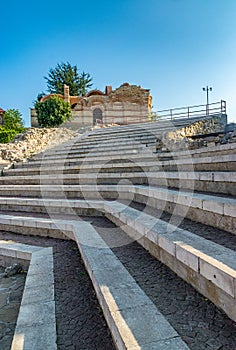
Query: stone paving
(11, 290)
(80, 321)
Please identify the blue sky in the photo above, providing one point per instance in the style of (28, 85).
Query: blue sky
(173, 47)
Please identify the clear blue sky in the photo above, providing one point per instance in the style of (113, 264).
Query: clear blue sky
(173, 47)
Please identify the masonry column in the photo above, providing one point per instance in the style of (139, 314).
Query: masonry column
(66, 93)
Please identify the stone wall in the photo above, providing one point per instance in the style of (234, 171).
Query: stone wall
(206, 132)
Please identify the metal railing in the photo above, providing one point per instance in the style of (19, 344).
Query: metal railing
(197, 111)
(216, 108)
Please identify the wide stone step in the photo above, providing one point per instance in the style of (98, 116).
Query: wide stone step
(217, 150)
(117, 140)
(132, 128)
(215, 163)
(209, 267)
(128, 166)
(215, 182)
(95, 155)
(211, 210)
(226, 162)
(127, 309)
(51, 207)
(112, 157)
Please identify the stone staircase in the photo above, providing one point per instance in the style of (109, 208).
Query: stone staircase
(180, 206)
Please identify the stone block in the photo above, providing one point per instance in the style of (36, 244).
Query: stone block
(187, 255)
(141, 325)
(213, 206)
(170, 344)
(220, 274)
(167, 245)
(42, 313)
(35, 337)
(44, 293)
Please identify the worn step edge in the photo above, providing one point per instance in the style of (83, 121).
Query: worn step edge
(36, 321)
(207, 266)
(134, 321)
(212, 203)
(149, 165)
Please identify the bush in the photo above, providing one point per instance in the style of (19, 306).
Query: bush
(7, 135)
(52, 112)
(12, 120)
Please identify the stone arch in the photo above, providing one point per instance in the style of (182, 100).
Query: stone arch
(95, 93)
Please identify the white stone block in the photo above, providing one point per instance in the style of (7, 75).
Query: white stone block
(220, 274)
(187, 255)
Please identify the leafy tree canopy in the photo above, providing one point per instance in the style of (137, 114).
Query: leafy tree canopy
(12, 120)
(65, 73)
(52, 112)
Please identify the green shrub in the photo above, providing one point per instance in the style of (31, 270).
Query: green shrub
(12, 120)
(52, 112)
(7, 135)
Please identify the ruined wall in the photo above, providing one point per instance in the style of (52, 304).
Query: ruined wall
(124, 105)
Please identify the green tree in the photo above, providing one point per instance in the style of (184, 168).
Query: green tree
(12, 120)
(85, 83)
(52, 112)
(40, 95)
(65, 73)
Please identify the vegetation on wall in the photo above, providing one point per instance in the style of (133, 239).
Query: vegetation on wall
(53, 112)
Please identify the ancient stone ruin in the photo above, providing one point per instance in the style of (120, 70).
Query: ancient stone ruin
(124, 105)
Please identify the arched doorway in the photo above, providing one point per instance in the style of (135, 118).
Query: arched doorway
(97, 116)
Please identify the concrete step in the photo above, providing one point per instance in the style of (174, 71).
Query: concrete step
(219, 212)
(142, 138)
(215, 182)
(214, 163)
(209, 267)
(113, 156)
(94, 153)
(36, 315)
(81, 168)
(132, 128)
(126, 307)
(63, 207)
(217, 150)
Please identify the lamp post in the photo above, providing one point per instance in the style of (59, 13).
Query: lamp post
(207, 89)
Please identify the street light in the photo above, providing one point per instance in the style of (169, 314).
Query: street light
(207, 89)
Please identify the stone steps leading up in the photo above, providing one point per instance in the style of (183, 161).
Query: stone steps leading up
(211, 210)
(213, 163)
(159, 125)
(50, 197)
(73, 155)
(215, 182)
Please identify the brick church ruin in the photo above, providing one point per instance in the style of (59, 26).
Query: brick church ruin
(125, 105)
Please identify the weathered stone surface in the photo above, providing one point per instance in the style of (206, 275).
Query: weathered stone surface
(196, 135)
(33, 141)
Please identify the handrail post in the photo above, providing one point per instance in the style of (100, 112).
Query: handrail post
(171, 116)
(188, 112)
